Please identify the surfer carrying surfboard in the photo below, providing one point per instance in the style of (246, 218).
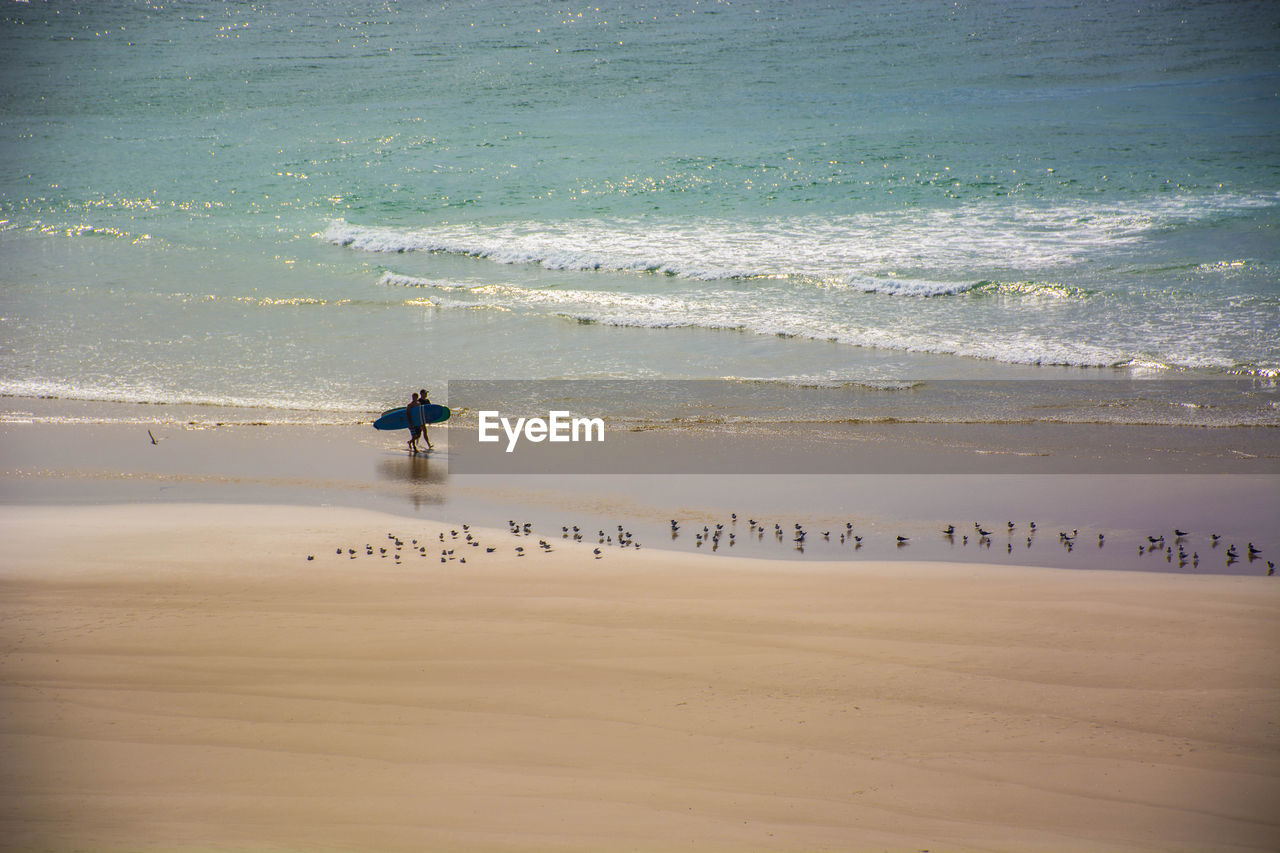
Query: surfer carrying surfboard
(424, 402)
(414, 431)
(414, 417)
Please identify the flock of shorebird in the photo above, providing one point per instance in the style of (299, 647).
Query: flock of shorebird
(1157, 545)
(456, 544)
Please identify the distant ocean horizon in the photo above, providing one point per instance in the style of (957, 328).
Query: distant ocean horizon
(307, 206)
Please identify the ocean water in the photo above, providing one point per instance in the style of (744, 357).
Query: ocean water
(317, 207)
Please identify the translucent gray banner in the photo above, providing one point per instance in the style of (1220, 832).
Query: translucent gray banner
(909, 426)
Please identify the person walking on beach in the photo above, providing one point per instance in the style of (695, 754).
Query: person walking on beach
(414, 431)
(424, 402)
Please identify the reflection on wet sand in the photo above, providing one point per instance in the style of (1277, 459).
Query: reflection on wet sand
(422, 479)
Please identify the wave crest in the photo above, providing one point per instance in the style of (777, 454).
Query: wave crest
(898, 253)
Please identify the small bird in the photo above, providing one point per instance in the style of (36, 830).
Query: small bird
(597, 552)
(1179, 533)
(949, 530)
(902, 539)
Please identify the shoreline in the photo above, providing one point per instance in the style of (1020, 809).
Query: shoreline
(927, 477)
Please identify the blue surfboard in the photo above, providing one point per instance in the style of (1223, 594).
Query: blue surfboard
(400, 418)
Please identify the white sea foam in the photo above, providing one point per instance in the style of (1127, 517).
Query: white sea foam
(266, 409)
(861, 250)
(1006, 333)
(765, 313)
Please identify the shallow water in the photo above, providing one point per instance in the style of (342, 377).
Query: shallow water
(313, 206)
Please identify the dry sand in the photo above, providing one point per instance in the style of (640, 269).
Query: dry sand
(181, 677)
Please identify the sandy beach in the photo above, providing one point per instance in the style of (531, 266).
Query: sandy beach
(187, 675)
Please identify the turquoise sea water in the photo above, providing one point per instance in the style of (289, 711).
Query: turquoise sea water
(315, 206)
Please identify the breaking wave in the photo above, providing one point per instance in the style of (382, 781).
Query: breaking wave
(885, 252)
